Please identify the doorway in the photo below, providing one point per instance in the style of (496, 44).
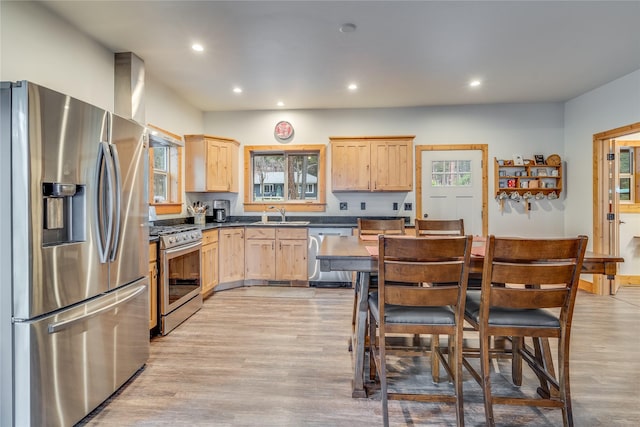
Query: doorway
(613, 229)
(466, 201)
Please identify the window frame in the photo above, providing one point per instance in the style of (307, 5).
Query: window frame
(174, 182)
(633, 205)
(451, 178)
(627, 175)
(318, 205)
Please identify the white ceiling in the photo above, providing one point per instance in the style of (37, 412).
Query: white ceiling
(403, 53)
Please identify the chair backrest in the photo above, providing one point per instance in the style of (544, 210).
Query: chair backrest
(380, 226)
(403, 262)
(439, 227)
(546, 270)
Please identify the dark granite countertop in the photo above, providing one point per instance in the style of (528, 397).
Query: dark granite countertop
(254, 221)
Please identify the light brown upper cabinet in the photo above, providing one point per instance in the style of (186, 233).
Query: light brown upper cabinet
(211, 164)
(372, 163)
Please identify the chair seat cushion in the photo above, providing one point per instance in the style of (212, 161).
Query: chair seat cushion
(500, 316)
(412, 315)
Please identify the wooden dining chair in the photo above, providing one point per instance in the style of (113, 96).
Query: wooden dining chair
(380, 226)
(400, 306)
(522, 278)
(373, 227)
(439, 227)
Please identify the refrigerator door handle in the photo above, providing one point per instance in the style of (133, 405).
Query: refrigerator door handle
(59, 326)
(105, 131)
(103, 236)
(115, 245)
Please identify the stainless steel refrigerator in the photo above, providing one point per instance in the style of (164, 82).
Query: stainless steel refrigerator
(74, 300)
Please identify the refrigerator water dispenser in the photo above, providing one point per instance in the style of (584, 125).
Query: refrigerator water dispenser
(63, 213)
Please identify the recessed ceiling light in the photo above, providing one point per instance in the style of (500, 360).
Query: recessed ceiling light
(352, 86)
(280, 104)
(237, 90)
(197, 47)
(475, 83)
(348, 28)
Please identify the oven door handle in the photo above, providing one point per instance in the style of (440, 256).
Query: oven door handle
(183, 249)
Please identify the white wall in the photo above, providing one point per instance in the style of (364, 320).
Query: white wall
(507, 129)
(38, 46)
(168, 110)
(610, 106)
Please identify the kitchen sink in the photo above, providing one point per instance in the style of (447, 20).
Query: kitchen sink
(274, 223)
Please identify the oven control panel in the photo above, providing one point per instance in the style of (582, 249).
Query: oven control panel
(179, 237)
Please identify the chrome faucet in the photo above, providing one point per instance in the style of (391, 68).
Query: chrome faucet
(282, 212)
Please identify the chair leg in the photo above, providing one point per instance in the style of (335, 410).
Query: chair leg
(355, 310)
(457, 380)
(435, 362)
(516, 360)
(539, 348)
(372, 340)
(450, 353)
(383, 380)
(563, 377)
(485, 363)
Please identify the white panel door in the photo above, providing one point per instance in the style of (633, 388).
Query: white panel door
(452, 187)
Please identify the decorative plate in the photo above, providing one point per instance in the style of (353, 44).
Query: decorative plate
(283, 131)
(553, 160)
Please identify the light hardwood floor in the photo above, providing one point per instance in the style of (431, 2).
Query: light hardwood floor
(277, 356)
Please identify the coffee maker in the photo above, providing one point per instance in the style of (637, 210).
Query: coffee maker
(221, 210)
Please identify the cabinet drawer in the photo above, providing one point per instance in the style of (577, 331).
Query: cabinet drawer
(209, 236)
(153, 252)
(291, 233)
(260, 233)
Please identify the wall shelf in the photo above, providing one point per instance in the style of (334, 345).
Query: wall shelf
(527, 182)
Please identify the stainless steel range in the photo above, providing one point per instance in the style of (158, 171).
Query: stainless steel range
(180, 273)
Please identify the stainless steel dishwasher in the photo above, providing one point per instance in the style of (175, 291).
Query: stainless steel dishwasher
(326, 279)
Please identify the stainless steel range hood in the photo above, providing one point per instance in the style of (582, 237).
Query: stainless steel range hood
(129, 87)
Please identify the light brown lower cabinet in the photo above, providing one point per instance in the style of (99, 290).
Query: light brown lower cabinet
(153, 285)
(276, 253)
(260, 253)
(231, 255)
(209, 261)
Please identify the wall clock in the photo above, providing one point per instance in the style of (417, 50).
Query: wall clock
(283, 131)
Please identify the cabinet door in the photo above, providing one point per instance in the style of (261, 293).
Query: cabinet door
(209, 267)
(222, 166)
(196, 163)
(216, 174)
(350, 165)
(231, 254)
(211, 164)
(153, 285)
(233, 169)
(153, 294)
(291, 260)
(392, 165)
(227, 164)
(260, 257)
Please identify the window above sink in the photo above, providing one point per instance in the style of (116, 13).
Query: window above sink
(290, 177)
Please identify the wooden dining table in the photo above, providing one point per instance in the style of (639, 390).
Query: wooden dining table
(352, 253)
